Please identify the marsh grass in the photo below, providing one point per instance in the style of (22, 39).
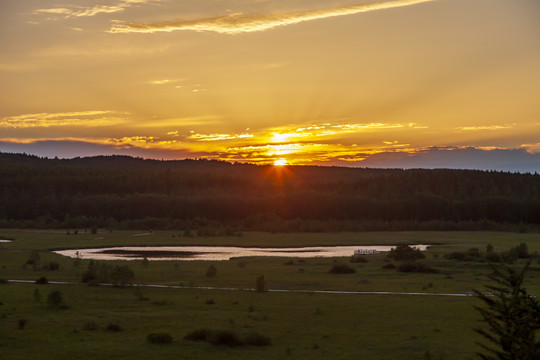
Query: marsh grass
(355, 326)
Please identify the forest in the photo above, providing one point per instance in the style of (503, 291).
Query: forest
(220, 198)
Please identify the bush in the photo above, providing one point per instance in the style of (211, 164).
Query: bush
(21, 323)
(53, 266)
(493, 257)
(358, 259)
(341, 269)
(4, 281)
(212, 271)
(416, 268)
(389, 266)
(122, 275)
(42, 281)
(56, 300)
(199, 335)
(113, 327)
(404, 252)
(225, 337)
(257, 339)
(159, 338)
(260, 284)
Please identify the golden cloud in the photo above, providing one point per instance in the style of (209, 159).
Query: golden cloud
(94, 10)
(76, 118)
(241, 23)
(489, 127)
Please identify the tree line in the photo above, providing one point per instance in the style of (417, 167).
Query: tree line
(134, 192)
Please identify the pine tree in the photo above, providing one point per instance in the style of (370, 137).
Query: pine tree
(512, 316)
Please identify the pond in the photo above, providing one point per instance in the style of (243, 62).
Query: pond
(216, 253)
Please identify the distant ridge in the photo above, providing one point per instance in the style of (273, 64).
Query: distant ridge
(122, 191)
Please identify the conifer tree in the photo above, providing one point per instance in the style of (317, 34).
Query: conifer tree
(512, 316)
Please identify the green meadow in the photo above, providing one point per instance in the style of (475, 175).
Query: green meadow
(113, 322)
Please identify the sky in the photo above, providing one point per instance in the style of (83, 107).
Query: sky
(398, 83)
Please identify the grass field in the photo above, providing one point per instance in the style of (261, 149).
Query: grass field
(300, 325)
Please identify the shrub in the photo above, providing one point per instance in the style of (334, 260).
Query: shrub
(404, 252)
(257, 339)
(159, 338)
(389, 266)
(56, 300)
(212, 271)
(260, 284)
(42, 281)
(225, 337)
(358, 259)
(113, 327)
(122, 275)
(21, 323)
(493, 257)
(199, 335)
(53, 265)
(416, 268)
(341, 269)
(4, 281)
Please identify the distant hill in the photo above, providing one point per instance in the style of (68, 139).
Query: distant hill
(122, 191)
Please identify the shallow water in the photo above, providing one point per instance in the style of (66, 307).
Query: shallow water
(215, 253)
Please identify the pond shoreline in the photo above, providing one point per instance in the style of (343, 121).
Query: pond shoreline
(217, 253)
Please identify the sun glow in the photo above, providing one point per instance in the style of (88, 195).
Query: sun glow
(280, 162)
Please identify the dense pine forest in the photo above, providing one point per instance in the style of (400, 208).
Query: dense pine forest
(215, 197)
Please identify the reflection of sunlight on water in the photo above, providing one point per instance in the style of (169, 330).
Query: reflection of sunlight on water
(214, 253)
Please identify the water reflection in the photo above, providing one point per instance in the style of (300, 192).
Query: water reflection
(215, 253)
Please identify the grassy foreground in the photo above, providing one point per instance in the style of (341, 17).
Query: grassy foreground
(300, 325)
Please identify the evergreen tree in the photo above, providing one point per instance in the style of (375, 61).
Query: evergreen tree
(512, 316)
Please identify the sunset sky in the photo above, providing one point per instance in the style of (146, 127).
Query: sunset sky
(403, 83)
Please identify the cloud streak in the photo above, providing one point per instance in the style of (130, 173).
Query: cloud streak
(76, 118)
(243, 23)
(93, 10)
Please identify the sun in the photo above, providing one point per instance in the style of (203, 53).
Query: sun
(280, 162)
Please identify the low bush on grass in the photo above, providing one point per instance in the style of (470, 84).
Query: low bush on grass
(3, 281)
(473, 254)
(389, 266)
(416, 268)
(42, 281)
(341, 269)
(113, 327)
(227, 338)
(199, 335)
(159, 338)
(55, 300)
(404, 252)
(212, 271)
(53, 266)
(260, 284)
(358, 259)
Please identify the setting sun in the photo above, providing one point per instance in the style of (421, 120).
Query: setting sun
(280, 162)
